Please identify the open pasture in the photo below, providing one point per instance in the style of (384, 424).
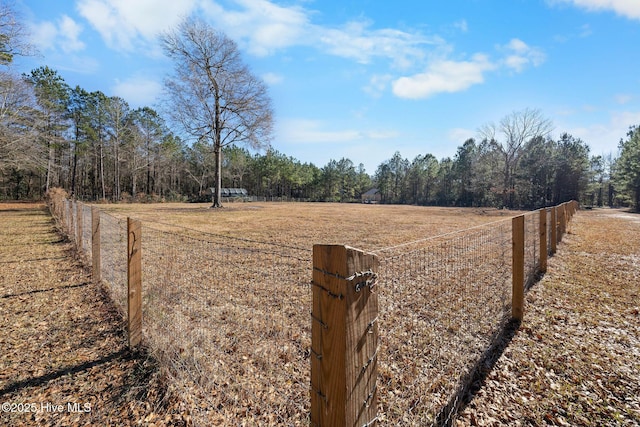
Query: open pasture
(367, 227)
(227, 299)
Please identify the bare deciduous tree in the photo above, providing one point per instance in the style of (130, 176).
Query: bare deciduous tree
(18, 148)
(13, 36)
(516, 128)
(212, 95)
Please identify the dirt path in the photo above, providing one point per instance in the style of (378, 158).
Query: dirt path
(63, 359)
(575, 361)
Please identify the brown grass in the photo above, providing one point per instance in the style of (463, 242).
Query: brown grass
(229, 318)
(576, 358)
(229, 315)
(62, 341)
(368, 227)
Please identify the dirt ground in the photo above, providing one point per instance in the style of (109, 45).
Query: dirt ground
(575, 361)
(64, 360)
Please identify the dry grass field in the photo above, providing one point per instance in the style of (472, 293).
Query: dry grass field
(227, 296)
(366, 227)
(227, 302)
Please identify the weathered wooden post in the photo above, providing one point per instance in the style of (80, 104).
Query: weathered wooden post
(344, 337)
(79, 226)
(69, 216)
(554, 229)
(134, 282)
(543, 240)
(95, 244)
(517, 295)
(563, 221)
(72, 216)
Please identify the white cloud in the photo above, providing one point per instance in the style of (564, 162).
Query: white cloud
(308, 131)
(519, 55)
(460, 135)
(70, 33)
(623, 98)
(123, 23)
(444, 76)
(43, 35)
(315, 131)
(138, 91)
(64, 35)
(260, 25)
(377, 85)
(272, 78)
(603, 138)
(626, 8)
(461, 25)
(357, 41)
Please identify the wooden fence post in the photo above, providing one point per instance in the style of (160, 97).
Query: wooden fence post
(69, 205)
(95, 244)
(554, 229)
(344, 337)
(79, 226)
(134, 282)
(543, 240)
(563, 221)
(72, 216)
(517, 302)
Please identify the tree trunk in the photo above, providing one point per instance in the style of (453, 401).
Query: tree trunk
(217, 151)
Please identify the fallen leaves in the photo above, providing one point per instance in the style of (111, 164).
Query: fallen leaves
(63, 345)
(575, 360)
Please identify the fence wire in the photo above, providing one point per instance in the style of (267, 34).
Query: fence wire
(549, 235)
(440, 307)
(531, 247)
(86, 231)
(113, 258)
(230, 317)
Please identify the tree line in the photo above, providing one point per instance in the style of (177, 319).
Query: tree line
(96, 147)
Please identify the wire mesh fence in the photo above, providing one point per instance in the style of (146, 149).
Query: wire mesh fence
(531, 246)
(230, 317)
(86, 230)
(113, 258)
(549, 234)
(440, 306)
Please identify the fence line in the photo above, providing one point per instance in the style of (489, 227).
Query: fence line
(113, 258)
(428, 333)
(241, 332)
(231, 319)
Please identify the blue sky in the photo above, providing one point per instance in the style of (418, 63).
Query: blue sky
(363, 79)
